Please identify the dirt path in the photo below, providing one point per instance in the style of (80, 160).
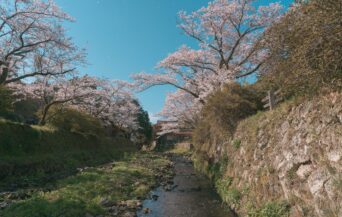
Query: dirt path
(190, 195)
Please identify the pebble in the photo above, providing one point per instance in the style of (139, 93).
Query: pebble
(3, 205)
(106, 203)
(129, 214)
(155, 197)
(146, 210)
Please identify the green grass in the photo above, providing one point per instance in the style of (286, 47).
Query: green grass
(77, 195)
(291, 173)
(236, 143)
(271, 209)
(229, 194)
(233, 196)
(179, 151)
(337, 183)
(32, 155)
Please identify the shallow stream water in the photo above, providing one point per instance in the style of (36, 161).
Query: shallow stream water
(191, 195)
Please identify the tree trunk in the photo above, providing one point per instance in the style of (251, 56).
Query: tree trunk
(3, 74)
(42, 121)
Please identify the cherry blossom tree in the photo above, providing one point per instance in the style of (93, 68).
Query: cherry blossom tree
(231, 30)
(51, 91)
(33, 44)
(174, 73)
(113, 104)
(180, 112)
(229, 34)
(31, 34)
(231, 46)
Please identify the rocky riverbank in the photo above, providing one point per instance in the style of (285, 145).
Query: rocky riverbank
(113, 189)
(285, 162)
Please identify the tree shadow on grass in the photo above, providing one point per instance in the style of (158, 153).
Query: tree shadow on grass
(40, 207)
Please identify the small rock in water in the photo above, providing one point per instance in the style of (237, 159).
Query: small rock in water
(139, 204)
(146, 210)
(132, 204)
(168, 188)
(155, 197)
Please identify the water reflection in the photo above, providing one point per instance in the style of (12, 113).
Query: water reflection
(191, 195)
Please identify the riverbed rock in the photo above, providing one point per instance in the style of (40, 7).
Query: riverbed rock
(106, 202)
(146, 210)
(132, 204)
(3, 205)
(113, 209)
(169, 187)
(304, 171)
(155, 197)
(129, 214)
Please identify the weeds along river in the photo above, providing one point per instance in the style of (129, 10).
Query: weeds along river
(190, 195)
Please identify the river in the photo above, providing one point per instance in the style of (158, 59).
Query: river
(191, 195)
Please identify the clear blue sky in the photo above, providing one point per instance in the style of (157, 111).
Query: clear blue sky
(127, 36)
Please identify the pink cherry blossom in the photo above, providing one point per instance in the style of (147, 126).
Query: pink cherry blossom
(230, 40)
(31, 30)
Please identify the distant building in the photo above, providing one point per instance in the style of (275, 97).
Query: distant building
(168, 140)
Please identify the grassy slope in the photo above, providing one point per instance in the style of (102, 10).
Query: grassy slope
(31, 155)
(78, 195)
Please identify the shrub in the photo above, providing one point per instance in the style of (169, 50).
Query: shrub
(233, 196)
(216, 170)
(236, 143)
(76, 122)
(17, 110)
(271, 209)
(27, 110)
(291, 173)
(338, 184)
(223, 110)
(222, 185)
(145, 131)
(305, 47)
(229, 194)
(6, 103)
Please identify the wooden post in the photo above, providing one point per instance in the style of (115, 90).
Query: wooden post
(271, 99)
